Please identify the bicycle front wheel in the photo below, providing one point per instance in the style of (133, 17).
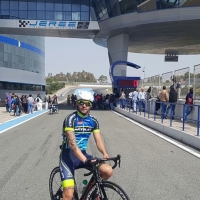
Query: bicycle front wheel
(55, 188)
(109, 191)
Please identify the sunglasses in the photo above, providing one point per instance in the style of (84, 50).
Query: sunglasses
(82, 102)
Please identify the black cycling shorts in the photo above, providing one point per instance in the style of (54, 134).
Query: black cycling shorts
(68, 164)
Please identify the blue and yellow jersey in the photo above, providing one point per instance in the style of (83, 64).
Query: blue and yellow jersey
(82, 126)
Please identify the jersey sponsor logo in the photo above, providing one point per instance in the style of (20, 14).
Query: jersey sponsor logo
(80, 122)
(83, 129)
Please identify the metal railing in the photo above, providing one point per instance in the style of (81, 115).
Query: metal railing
(147, 108)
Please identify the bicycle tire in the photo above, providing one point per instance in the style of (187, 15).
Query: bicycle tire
(58, 194)
(111, 186)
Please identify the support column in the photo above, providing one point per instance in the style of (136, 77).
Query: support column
(118, 50)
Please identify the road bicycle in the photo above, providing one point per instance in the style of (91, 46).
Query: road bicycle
(97, 188)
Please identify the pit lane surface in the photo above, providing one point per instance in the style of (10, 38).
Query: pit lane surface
(151, 168)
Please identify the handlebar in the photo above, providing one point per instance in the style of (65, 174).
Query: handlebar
(101, 160)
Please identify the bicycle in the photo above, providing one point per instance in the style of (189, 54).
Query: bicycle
(97, 188)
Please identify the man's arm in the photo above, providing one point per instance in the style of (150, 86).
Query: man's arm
(73, 146)
(100, 144)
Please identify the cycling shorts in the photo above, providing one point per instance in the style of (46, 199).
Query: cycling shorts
(68, 164)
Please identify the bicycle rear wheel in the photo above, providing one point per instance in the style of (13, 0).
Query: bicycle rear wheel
(55, 187)
(109, 190)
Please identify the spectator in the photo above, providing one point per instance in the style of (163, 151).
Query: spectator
(39, 102)
(134, 100)
(122, 100)
(111, 101)
(30, 101)
(157, 104)
(141, 98)
(172, 100)
(164, 98)
(178, 88)
(189, 104)
(17, 106)
(148, 96)
(8, 102)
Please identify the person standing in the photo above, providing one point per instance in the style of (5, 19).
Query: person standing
(164, 98)
(142, 97)
(134, 100)
(122, 100)
(173, 96)
(30, 101)
(189, 104)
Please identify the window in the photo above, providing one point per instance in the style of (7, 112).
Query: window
(50, 15)
(85, 5)
(76, 16)
(40, 15)
(67, 16)
(23, 14)
(32, 15)
(31, 5)
(76, 5)
(85, 16)
(4, 5)
(14, 5)
(50, 6)
(5, 13)
(67, 6)
(14, 14)
(58, 5)
(58, 15)
(23, 5)
(40, 6)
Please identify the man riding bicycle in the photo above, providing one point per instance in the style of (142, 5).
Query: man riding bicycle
(78, 127)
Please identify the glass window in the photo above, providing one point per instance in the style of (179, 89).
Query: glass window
(76, 5)
(50, 6)
(58, 7)
(67, 16)
(23, 15)
(85, 16)
(49, 15)
(32, 15)
(76, 16)
(1, 47)
(85, 5)
(6, 13)
(67, 6)
(40, 15)
(4, 5)
(40, 6)
(31, 5)
(14, 5)
(1, 55)
(23, 5)
(5, 64)
(14, 14)
(58, 15)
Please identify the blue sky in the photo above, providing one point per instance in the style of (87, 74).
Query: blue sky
(69, 55)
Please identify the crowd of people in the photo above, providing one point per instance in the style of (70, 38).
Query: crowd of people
(165, 101)
(27, 103)
(101, 102)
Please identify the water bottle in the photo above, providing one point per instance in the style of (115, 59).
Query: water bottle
(83, 186)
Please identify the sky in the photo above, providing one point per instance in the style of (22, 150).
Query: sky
(74, 55)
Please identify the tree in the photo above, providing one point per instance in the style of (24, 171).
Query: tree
(102, 79)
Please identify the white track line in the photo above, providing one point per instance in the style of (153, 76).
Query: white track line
(22, 122)
(161, 136)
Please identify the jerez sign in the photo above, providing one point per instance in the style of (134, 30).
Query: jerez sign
(171, 58)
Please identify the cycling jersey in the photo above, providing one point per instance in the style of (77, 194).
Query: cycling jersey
(82, 126)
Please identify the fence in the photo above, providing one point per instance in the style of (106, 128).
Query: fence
(182, 79)
(152, 108)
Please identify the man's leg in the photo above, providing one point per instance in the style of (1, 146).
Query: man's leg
(106, 171)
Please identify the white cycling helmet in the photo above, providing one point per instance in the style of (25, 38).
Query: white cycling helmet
(85, 95)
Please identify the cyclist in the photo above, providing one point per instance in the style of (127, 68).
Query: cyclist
(68, 100)
(77, 127)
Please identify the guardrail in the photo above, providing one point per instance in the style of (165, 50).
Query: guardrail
(155, 108)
